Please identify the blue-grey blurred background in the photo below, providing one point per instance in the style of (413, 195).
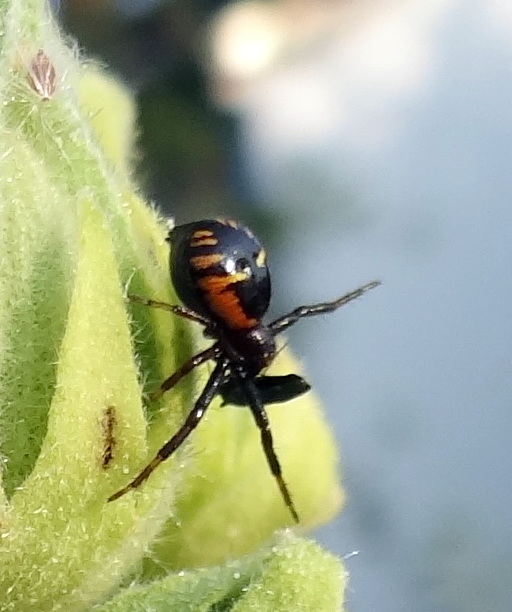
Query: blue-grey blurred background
(361, 140)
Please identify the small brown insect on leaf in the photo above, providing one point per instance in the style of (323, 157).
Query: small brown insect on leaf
(41, 76)
(108, 422)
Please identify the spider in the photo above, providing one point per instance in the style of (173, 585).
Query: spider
(219, 271)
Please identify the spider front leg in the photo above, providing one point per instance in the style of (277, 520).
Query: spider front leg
(210, 390)
(292, 317)
(260, 416)
(181, 311)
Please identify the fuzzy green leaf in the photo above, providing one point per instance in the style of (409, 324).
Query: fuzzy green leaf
(59, 533)
(292, 574)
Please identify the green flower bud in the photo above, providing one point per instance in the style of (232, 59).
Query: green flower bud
(77, 358)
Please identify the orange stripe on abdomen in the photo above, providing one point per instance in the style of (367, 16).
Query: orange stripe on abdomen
(200, 242)
(203, 262)
(223, 300)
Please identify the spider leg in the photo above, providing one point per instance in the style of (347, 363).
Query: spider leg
(191, 422)
(187, 367)
(292, 317)
(260, 416)
(181, 311)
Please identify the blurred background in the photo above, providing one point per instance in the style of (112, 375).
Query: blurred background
(360, 140)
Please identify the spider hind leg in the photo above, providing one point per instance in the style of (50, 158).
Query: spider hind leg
(260, 416)
(191, 422)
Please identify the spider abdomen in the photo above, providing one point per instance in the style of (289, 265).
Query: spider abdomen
(218, 269)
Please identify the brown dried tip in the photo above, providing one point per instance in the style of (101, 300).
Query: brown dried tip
(41, 76)
(109, 442)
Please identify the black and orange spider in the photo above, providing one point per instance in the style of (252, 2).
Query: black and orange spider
(219, 271)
